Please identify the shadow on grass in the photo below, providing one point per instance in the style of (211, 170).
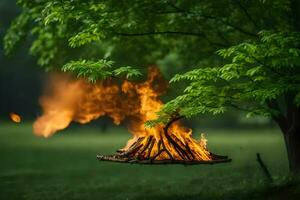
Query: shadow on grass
(289, 190)
(64, 189)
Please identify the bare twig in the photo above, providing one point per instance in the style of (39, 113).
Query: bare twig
(264, 168)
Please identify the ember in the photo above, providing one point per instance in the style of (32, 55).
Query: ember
(77, 100)
(15, 117)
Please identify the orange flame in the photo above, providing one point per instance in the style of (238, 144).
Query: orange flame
(15, 117)
(68, 100)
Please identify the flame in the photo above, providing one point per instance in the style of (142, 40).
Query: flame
(15, 117)
(68, 100)
(203, 141)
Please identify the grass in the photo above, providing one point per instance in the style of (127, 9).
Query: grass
(65, 167)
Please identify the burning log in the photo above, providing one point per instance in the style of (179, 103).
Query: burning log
(166, 148)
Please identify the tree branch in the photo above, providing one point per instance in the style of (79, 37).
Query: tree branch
(225, 22)
(292, 111)
(174, 119)
(279, 118)
(181, 33)
(240, 5)
(161, 33)
(264, 168)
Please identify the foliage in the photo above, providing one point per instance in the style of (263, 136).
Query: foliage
(253, 70)
(150, 29)
(17, 31)
(99, 70)
(258, 73)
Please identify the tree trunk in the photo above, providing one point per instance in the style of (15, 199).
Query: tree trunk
(290, 127)
(292, 142)
(292, 135)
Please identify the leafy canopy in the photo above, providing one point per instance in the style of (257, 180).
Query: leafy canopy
(99, 70)
(150, 29)
(257, 74)
(258, 63)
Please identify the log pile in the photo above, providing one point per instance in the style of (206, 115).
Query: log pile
(165, 149)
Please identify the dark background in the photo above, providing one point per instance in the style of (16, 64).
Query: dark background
(20, 78)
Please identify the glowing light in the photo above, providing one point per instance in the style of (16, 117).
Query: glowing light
(15, 117)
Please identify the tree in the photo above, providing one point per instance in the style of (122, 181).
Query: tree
(256, 69)
(261, 78)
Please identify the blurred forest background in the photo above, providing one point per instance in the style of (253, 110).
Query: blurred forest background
(22, 82)
(20, 77)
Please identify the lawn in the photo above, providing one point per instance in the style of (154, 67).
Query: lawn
(65, 167)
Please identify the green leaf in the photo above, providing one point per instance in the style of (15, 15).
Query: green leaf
(98, 70)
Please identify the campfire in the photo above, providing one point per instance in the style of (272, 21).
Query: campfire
(67, 99)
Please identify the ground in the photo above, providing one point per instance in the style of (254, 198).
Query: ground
(65, 167)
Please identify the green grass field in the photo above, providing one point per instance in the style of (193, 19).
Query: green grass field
(65, 167)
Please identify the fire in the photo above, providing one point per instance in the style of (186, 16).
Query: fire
(69, 99)
(15, 117)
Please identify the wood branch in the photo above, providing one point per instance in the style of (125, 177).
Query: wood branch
(150, 148)
(113, 158)
(169, 149)
(189, 150)
(247, 14)
(136, 150)
(146, 146)
(135, 155)
(179, 33)
(218, 157)
(161, 33)
(166, 150)
(289, 108)
(264, 168)
(159, 151)
(294, 14)
(181, 152)
(279, 118)
(212, 17)
(171, 121)
(132, 147)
